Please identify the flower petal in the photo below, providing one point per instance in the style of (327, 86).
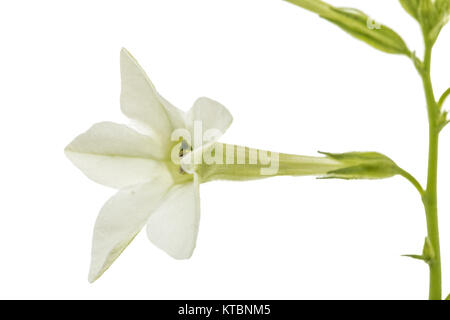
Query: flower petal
(177, 117)
(141, 102)
(212, 116)
(120, 220)
(173, 227)
(115, 155)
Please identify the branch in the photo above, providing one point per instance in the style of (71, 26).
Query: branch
(443, 97)
(413, 181)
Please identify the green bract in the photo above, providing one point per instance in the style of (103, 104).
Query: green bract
(359, 25)
(427, 255)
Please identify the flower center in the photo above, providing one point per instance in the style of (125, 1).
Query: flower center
(185, 148)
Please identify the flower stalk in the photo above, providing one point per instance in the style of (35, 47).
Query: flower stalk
(430, 195)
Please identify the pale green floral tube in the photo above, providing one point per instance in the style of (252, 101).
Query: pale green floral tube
(274, 164)
(221, 161)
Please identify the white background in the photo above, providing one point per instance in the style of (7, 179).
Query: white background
(294, 83)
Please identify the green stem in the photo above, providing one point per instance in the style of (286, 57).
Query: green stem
(413, 181)
(430, 195)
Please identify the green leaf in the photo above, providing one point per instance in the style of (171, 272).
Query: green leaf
(362, 165)
(359, 25)
(443, 120)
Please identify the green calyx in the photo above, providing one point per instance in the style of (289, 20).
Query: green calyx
(411, 6)
(443, 118)
(362, 165)
(432, 15)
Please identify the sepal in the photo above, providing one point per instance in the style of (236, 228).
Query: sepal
(411, 6)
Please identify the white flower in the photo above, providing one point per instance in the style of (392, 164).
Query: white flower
(152, 189)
